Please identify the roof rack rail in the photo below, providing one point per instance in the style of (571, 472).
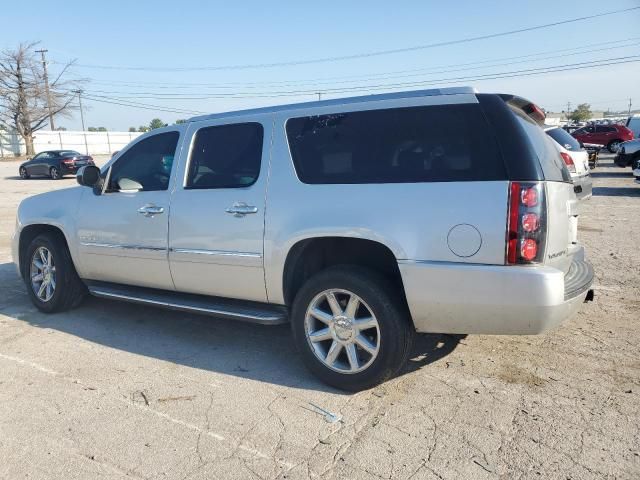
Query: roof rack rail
(340, 101)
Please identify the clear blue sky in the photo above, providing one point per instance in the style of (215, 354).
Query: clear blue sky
(185, 34)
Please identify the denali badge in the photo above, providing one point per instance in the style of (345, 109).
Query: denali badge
(557, 254)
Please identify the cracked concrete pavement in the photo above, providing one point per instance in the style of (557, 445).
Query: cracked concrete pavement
(123, 391)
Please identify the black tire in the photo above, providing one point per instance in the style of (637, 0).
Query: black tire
(613, 146)
(69, 290)
(385, 301)
(23, 173)
(54, 173)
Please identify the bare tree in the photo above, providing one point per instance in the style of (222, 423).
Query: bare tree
(23, 98)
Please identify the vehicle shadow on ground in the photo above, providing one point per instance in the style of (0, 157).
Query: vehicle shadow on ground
(256, 352)
(617, 191)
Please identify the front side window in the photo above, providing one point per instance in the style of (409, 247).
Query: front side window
(226, 156)
(146, 166)
(441, 143)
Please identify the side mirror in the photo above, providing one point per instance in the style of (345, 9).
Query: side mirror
(88, 176)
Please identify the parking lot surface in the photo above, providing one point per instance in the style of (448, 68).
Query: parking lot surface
(123, 391)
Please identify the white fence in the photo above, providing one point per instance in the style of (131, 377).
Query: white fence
(91, 143)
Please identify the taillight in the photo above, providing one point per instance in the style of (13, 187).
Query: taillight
(526, 235)
(67, 161)
(568, 161)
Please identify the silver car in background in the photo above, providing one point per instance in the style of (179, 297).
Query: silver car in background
(360, 221)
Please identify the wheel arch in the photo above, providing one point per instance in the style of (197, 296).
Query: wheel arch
(310, 255)
(31, 231)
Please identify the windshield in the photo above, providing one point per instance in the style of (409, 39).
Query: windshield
(69, 153)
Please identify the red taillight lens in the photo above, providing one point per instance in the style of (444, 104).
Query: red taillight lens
(529, 197)
(528, 249)
(568, 161)
(514, 207)
(526, 234)
(67, 161)
(530, 222)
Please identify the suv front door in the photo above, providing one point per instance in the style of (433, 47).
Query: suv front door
(217, 213)
(123, 230)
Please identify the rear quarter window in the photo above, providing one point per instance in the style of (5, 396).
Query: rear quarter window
(442, 143)
(564, 139)
(552, 165)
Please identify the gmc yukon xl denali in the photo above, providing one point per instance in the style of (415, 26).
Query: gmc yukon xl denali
(359, 221)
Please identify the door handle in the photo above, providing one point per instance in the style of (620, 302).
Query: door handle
(150, 210)
(240, 209)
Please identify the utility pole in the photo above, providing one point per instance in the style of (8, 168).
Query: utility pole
(629, 106)
(568, 110)
(319, 95)
(84, 133)
(79, 92)
(46, 86)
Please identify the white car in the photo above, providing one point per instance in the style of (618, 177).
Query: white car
(575, 158)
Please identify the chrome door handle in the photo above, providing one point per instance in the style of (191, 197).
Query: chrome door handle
(150, 210)
(240, 209)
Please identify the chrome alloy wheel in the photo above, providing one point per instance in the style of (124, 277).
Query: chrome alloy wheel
(43, 274)
(342, 331)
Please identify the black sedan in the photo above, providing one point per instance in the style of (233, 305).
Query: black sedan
(54, 164)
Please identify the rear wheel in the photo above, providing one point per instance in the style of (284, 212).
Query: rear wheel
(50, 277)
(613, 146)
(351, 328)
(23, 173)
(54, 173)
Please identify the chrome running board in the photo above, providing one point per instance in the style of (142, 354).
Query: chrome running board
(253, 312)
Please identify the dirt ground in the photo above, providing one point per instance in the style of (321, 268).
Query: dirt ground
(117, 390)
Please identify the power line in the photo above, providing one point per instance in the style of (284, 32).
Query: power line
(494, 76)
(143, 106)
(489, 76)
(316, 84)
(361, 55)
(371, 76)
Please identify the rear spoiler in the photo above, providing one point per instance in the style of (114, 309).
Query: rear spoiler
(531, 109)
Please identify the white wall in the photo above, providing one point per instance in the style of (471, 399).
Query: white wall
(92, 143)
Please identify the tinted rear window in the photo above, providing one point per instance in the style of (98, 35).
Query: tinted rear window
(550, 160)
(443, 143)
(564, 139)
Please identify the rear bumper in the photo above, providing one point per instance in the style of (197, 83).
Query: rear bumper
(583, 186)
(487, 299)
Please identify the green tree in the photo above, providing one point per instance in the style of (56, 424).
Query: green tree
(156, 123)
(132, 129)
(180, 120)
(102, 129)
(143, 128)
(581, 113)
(92, 129)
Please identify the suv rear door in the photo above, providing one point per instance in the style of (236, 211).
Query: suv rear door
(217, 209)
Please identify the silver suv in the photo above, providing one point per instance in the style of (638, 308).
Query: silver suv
(360, 221)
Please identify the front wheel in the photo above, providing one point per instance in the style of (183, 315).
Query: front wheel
(54, 173)
(50, 276)
(351, 327)
(23, 173)
(613, 146)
